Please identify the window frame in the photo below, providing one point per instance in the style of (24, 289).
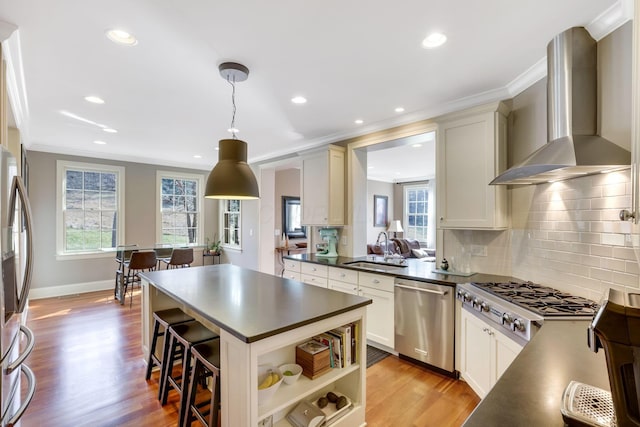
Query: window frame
(199, 178)
(222, 212)
(62, 166)
(428, 214)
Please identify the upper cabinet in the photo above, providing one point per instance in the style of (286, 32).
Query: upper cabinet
(471, 150)
(322, 184)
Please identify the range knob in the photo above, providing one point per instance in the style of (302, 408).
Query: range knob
(484, 306)
(506, 319)
(460, 294)
(476, 303)
(517, 325)
(467, 297)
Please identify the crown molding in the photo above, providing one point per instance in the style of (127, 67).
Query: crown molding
(16, 87)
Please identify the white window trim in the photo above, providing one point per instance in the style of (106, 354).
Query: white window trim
(61, 167)
(228, 246)
(200, 195)
(430, 242)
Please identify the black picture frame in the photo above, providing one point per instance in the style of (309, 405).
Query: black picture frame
(289, 229)
(380, 210)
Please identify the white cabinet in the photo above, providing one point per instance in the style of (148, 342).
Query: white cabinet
(470, 152)
(380, 314)
(314, 274)
(343, 280)
(291, 269)
(485, 353)
(322, 184)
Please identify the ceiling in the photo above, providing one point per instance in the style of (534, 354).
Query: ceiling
(351, 60)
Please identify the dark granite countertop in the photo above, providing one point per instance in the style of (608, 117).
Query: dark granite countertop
(249, 304)
(415, 270)
(529, 393)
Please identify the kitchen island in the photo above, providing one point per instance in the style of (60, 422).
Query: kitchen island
(261, 318)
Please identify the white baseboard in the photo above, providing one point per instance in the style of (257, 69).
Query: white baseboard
(75, 288)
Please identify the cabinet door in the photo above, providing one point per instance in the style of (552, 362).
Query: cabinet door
(380, 316)
(475, 352)
(349, 288)
(505, 351)
(471, 151)
(322, 184)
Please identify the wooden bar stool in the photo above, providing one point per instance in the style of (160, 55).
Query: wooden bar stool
(206, 359)
(182, 337)
(164, 318)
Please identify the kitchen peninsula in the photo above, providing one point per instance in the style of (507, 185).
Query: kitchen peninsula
(261, 318)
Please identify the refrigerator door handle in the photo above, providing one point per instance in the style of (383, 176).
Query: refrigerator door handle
(29, 397)
(27, 350)
(17, 187)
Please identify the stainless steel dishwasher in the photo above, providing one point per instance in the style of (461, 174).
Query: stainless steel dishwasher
(424, 322)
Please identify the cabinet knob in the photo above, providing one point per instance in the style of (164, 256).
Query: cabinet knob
(376, 281)
(441, 218)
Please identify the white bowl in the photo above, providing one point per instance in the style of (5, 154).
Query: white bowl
(266, 394)
(294, 368)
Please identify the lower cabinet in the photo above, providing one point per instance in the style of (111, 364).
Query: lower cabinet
(380, 316)
(485, 353)
(314, 274)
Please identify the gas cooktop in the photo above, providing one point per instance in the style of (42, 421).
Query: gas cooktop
(543, 300)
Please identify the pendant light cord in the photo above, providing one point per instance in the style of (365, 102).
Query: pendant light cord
(233, 102)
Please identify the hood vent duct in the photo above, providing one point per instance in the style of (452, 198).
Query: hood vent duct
(574, 148)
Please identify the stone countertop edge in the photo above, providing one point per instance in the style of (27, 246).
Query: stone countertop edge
(415, 270)
(530, 391)
(248, 304)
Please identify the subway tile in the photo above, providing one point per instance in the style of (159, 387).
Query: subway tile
(619, 202)
(613, 264)
(611, 178)
(570, 236)
(632, 267)
(613, 239)
(591, 261)
(625, 279)
(590, 238)
(600, 274)
(618, 189)
(600, 250)
(624, 253)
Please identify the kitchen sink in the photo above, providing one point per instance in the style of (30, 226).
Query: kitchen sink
(376, 266)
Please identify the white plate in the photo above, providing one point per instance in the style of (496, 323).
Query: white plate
(330, 410)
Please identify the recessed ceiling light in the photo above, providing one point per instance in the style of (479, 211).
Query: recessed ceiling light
(217, 148)
(233, 130)
(197, 156)
(99, 142)
(121, 37)
(358, 121)
(299, 100)
(370, 167)
(417, 145)
(434, 40)
(94, 99)
(399, 109)
(110, 130)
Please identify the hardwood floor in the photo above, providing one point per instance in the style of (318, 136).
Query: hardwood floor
(90, 372)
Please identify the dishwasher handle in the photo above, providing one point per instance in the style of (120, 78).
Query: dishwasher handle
(413, 288)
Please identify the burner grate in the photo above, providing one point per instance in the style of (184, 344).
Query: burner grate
(540, 299)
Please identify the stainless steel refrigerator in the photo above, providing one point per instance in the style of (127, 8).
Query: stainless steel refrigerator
(16, 340)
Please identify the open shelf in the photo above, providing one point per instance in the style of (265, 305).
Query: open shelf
(288, 394)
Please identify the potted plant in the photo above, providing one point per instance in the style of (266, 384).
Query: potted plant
(216, 247)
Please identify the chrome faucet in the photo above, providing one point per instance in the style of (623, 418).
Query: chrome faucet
(387, 251)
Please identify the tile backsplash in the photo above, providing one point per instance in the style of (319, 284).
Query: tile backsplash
(564, 234)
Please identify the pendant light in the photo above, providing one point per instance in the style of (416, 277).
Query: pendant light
(231, 177)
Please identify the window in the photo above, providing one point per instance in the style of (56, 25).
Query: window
(291, 217)
(230, 223)
(180, 208)
(416, 212)
(90, 206)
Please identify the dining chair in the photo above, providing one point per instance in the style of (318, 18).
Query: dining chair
(139, 261)
(123, 253)
(180, 257)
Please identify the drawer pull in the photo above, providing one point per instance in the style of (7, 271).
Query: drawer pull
(376, 281)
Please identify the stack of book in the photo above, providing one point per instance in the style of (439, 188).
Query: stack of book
(342, 343)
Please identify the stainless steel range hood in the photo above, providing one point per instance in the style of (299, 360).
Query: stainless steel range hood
(574, 148)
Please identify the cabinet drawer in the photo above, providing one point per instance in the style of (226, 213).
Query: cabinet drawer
(314, 280)
(291, 275)
(343, 275)
(350, 288)
(315, 269)
(291, 265)
(376, 281)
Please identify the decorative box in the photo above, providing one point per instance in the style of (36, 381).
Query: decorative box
(314, 358)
